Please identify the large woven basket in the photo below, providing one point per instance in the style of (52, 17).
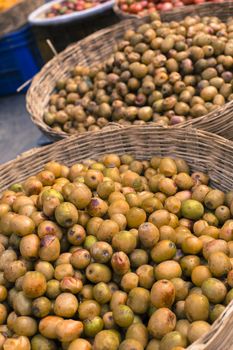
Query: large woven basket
(96, 48)
(202, 150)
(124, 15)
(17, 16)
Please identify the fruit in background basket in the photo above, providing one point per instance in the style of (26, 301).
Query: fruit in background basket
(144, 7)
(70, 6)
(164, 73)
(126, 254)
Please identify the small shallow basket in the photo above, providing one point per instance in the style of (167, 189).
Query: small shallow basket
(203, 151)
(38, 17)
(17, 15)
(97, 47)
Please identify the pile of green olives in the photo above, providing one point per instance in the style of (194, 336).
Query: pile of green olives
(113, 254)
(164, 73)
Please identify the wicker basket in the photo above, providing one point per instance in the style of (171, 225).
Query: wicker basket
(122, 14)
(17, 16)
(202, 150)
(189, 8)
(96, 48)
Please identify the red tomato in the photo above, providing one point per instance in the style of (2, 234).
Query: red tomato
(135, 8)
(166, 6)
(178, 4)
(151, 10)
(159, 6)
(124, 7)
(79, 7)
(151, 6)
(144, 3)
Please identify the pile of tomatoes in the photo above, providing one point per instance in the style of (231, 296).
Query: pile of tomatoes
(69, 6)
(144, 7)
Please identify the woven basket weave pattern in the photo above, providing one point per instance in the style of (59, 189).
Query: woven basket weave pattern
(196, 147)
(203, 151)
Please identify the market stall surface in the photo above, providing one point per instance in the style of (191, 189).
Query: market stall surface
(17, 132)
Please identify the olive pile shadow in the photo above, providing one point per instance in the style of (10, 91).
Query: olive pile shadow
(164, 73)
(113, 254)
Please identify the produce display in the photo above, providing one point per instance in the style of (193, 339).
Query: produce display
(145, 7)
(114, 253)
(6, 4)
(164, 73)
(69, 6)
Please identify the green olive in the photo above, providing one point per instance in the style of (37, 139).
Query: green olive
(66, 305)
(80, 343)
(173, 340)
(188, 263)
(146, 276)
(34, 284)
(93, 326)
(197, 307)
(139, 332)
(192, 209)
(148, 234)
(167, 270)
(216, 311)
(197, 329)
(130, 344)
(38, 342)
(129, 281)
(102, 293)
(163, 250)
(219, 264)
(162, 294)
(214, 290)
(53, 289)
(181, 288)
(124, 241)
(88, 309)
(101, 252)
(66, 214)
(25, 326)
(98, 273)
(41, 307)
(200, 274)
(22, 304)
(138, 300)
(161, 322)
(123, 315)
(106, 339)
(120, 263)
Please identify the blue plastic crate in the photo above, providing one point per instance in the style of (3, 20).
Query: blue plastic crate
(20, 60)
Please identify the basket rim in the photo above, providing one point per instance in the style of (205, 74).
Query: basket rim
(35, 17)
(55, 61)
(36, 150)
(123, 14)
